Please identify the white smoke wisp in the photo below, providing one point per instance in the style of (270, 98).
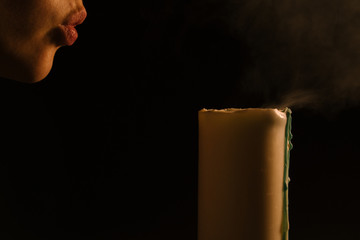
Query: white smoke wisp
(306, 52)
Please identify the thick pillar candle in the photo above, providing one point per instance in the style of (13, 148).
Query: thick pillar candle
(243, 174)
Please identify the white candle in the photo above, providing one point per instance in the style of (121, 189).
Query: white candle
(243, 174)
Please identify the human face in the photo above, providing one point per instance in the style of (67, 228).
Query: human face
(31, 31)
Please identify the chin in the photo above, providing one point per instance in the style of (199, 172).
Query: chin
(40, 74)
(38, 69)
(35, 76)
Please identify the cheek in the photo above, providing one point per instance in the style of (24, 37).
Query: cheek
(26, 35)
(39, 23)
(27, 29)
(31, 19)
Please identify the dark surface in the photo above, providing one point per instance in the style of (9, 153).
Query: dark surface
(106, 146)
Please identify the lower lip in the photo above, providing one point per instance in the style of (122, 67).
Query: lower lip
(69, 34)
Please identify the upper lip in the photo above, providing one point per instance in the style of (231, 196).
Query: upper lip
(76, 18)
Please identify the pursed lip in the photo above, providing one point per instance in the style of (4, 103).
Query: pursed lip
(75, 18)
(67, 28)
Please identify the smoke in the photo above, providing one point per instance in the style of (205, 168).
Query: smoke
(312, 48)
(301, 53)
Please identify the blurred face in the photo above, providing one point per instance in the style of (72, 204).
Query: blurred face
(31, 31)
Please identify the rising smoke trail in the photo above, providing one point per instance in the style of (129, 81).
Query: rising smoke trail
(315, 45)
(302, 53)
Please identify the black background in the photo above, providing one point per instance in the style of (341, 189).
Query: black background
(106, 146)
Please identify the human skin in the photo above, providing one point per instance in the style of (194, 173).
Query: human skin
(30, 35)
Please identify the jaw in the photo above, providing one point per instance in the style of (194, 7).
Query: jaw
(29, 68)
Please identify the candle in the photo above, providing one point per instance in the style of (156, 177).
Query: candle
(243, 174)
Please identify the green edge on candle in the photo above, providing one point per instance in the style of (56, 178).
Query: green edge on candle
(288, 147)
